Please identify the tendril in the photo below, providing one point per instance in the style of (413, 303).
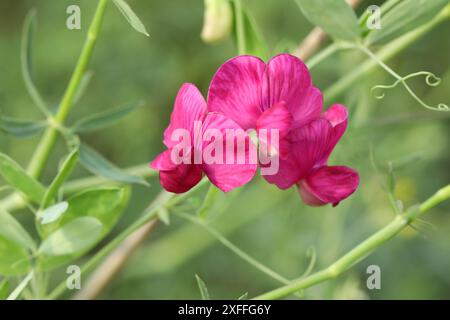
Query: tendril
(431, 80)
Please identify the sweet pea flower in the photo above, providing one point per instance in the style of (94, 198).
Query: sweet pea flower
(306, 165)
(189, 110)
(257, 95)
(280, 95)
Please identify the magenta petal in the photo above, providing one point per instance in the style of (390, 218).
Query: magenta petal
(308, 108)
(231, 166)
(163, 162)
(311, 145)
(276, 117)
(235, 90)
(180, 180)
(287, 79)
(189, 106)
(337, 116)
(288, 173)
(328, 185)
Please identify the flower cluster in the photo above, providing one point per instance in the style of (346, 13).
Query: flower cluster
(277, 97)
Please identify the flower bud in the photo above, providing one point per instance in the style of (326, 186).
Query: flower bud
(217, 20)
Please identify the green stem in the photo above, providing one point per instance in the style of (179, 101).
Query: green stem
(216, 234)
(163, 200)
(239, 23)
(322, 55)
(384, 54)
(362, 250)
(42, 152)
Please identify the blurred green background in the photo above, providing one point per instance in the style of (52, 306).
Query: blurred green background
(271, 225)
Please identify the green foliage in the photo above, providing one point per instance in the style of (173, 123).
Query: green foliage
(97, 164)
(203, 289)
(13, 174)
(246, 35)
(74, 236)
(405, 17)
(101, 120)
(16, 246)
(25, 58)
(21, 128)
(131, 17)
(103, 207)
(335, 17)
(63, 173)
(52, 213)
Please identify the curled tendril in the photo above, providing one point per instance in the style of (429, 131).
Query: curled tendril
(430, 79)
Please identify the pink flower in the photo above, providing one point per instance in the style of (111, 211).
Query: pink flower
(255, 94)
(189, 110)
(280, 95)
(306, 165)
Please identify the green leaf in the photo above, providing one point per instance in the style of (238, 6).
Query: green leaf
(208, 202)
(202, 287)
(335, 17)
(163, 215)
(104, 119)
(52, 213)
(14, 258)
(97, 164)
(75, 236)
(131, 17)
(21, 128)
(63, 173)
(84, 84)
(16, 177)
(103, 204)
(244, 296)
(25, 58)
(13, 230)
(4, 288)
(15, 246)
(251, 36)
(405, 17)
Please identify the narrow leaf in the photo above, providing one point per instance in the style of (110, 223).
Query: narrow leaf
(104, 119)
(21, 128)
(15, 176)
(405, 17)
(131, 17)
(84, 83)
(52, 213)
(4, 288)
(97, 164)
(202, 287)
(208, 202)
(335, 17)
(25, 58)
(244, 296)
(64, 172)
(13, 230)
(163, 215)
(22, 285)
(250, 35)
(73, 237)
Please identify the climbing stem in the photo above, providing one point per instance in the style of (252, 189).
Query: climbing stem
(45, 146)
